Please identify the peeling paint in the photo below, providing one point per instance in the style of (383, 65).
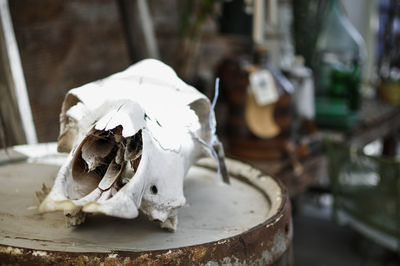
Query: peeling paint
(11, 250)
(227, 261)
(200, 253)
(127, 260)
(211, 263)
(232, 261)
(223, 241)
(113, 256)
(279, 246)
(39, 253)
(275, 221)
(168, 252)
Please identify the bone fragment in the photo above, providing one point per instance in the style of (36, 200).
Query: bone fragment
(114, 171)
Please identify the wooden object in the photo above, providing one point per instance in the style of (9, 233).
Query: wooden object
(248, 222)
(16, 126)
(242, 143)
(139, 31)
(378, 121)
(260, 119)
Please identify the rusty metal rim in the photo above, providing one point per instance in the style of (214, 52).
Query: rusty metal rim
(231, 249)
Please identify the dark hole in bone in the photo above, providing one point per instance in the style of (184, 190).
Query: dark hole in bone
(134, 146)
(154, 189)
(135, 163)
(102, 168)
(117, 167)
(100, 149)
(117, 130)
(133, 154)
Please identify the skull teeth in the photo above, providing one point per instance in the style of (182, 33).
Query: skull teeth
(91, 207)
(63, 205)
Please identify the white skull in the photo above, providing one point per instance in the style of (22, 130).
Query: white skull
(132, 138)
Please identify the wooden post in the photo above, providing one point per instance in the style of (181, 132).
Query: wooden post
(16, 124)
(139, 30)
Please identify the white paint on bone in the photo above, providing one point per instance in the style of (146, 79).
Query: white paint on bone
(172, 118)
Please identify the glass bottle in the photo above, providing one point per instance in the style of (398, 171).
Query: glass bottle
(340, 51)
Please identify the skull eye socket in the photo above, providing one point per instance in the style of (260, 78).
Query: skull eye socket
(154, 189)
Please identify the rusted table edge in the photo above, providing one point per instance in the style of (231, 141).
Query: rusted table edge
(268, 243)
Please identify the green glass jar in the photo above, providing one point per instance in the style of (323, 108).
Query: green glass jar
(338, 56)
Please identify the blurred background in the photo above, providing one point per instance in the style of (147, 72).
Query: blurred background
(309, 93)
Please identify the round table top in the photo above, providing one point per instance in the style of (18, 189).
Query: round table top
(214, 211)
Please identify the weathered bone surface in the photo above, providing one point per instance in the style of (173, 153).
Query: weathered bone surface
(132, 138)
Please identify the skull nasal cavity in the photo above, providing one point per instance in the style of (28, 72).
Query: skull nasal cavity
(135, 144)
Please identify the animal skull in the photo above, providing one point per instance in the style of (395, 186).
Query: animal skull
(132, 138)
